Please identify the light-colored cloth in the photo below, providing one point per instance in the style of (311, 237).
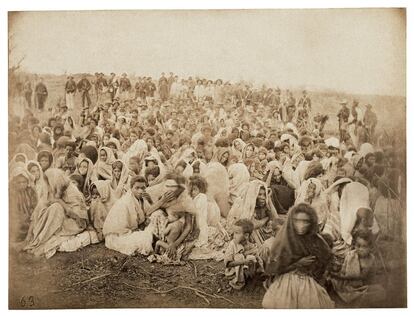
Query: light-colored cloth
(354, 196)
(366, 148)
(318, 202)
(100, 207)
(104, 169)
(121, 186)
(51, 226)
(40, 184)
(218, 185)
(121, 224)
(333, 222)
(238, 180)
(295, 290)
(125, 215)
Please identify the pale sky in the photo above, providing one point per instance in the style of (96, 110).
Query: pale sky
(354, 50)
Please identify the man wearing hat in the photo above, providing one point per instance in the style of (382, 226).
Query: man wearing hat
(70, 89)
(370, 121)
(84, 86)
(305, 102)
(113, 85)
(163, 87)
(343, 117)
(124, 87)
(41, 94)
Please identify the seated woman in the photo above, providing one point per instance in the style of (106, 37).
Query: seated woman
(311, 192)
(58, 220)
(102, 201)
(239, 179)
(23, 201)
(103, 167)
(85, 169)
(124, 224)
(212, 233)
(298, 259)
(355, 284)
(119, 179)
(177, 222)
(218, 185)
(255, 205)
(39, 184)
(283, 195)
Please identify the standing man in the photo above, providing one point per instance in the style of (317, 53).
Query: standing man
(27, 89)
(83, 87)
(70, 90)
(112, 84)
(150, 89)
(124, 87)
(41, 94)
(370, 121)
(305, 102)
(170, 82)
(291, 106)
(163, 87)
(343, 117)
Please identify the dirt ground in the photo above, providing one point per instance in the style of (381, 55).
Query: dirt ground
(96, 277)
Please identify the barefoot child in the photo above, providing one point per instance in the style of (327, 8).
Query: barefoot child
(241, 259)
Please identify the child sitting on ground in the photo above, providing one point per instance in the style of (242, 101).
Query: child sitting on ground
(355, 284)
(241, 259)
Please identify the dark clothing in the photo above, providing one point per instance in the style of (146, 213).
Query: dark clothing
(124, 85)
(305, 103)
(27, 89)
(163, 87)
(84, 86)
(70, 86)
(150, 89)
(41, 95)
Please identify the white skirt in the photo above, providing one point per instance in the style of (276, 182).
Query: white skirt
(293, 290)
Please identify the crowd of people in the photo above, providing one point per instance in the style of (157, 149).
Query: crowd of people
(179, 169)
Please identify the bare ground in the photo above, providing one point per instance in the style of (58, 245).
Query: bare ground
(96, 277)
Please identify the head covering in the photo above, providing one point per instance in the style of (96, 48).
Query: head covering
(365, 149)
(238, 176)
(29, 152)
(89, 177)
(121, 185)
(354, 196)
(39, 185)
(318, 202)
(244, 206)
(104, 169)
(288, 247)
(245, 150)
(332, 142)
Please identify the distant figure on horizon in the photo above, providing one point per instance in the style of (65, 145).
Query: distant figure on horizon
(41, 94)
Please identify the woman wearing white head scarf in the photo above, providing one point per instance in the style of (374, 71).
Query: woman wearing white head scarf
(311, 192)
(239, 178)
(58, 219)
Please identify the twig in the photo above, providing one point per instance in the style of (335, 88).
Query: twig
(195, 268)
(203, 297)
(198, 292)
(91, 279)
(226, 299)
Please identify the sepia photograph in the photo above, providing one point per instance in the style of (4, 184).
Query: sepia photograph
(238, 158)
